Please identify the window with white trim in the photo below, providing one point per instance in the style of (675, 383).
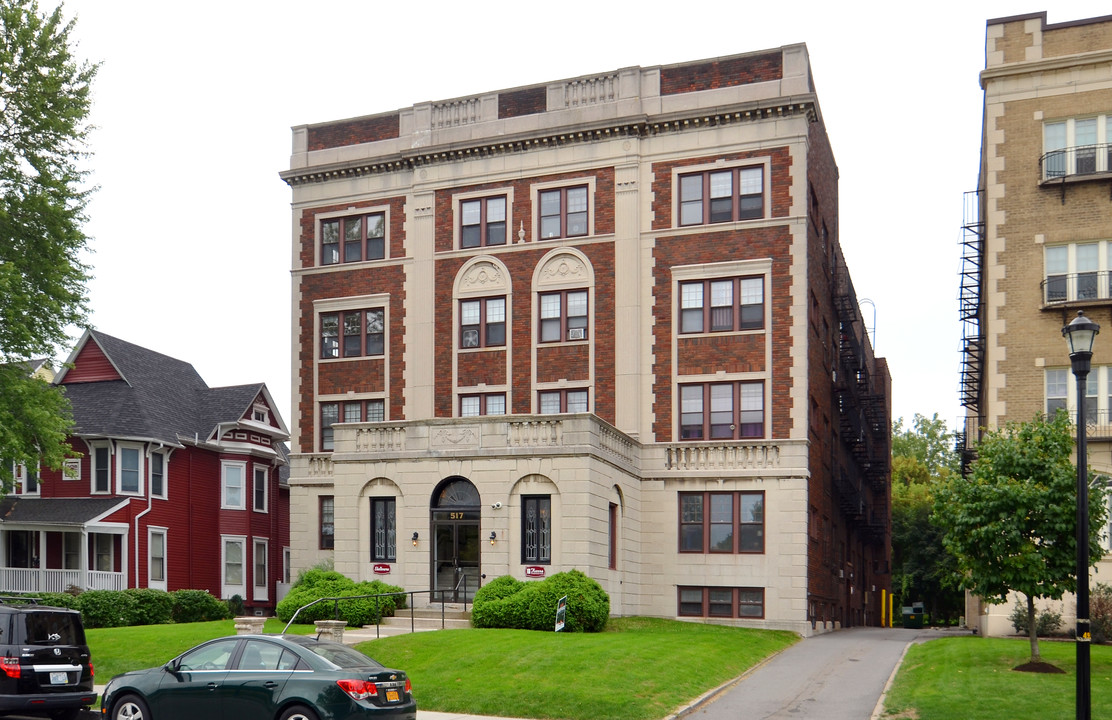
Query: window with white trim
(1061, 393)
(259, 490)
(104, 552)
(156, 558)
(233, 485)
(129, 469)
(564, 212)
(373, 410)
(352, 334)
(726, 602)
(260, 579)
(158, 474)
(102, 477)
(232, 557)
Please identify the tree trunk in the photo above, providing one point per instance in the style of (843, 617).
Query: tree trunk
(1032, 629)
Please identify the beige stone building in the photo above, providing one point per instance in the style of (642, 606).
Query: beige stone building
(600, 323)
(1038, 238)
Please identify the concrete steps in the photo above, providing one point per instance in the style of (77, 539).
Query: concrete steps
(409, 620)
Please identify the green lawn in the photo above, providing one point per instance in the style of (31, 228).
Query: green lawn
(972, 678)
(640, 669)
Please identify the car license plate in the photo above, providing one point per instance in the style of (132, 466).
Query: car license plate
(58, 678)
(392, 696)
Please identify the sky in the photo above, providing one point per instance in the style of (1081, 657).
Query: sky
(190, 228)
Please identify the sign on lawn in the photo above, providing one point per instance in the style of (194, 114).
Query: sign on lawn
(561, 612)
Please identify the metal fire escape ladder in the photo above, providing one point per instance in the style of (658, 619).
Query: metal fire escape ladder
(971, 310)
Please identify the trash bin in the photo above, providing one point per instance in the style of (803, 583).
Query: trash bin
(913, 616)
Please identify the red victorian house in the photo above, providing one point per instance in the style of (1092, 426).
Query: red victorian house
(178, 485)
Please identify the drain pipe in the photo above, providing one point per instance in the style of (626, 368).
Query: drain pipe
(147, 484)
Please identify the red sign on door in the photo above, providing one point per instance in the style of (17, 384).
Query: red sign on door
(382, 569)
(534, 571)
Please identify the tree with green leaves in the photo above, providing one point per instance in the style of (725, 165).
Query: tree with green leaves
(44, 105)
(922, 456)
(1011, 525)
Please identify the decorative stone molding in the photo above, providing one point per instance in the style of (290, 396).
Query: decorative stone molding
(331, 630)
(249, 625)
(722, 457)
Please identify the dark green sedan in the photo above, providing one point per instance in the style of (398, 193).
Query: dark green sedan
(262, 677)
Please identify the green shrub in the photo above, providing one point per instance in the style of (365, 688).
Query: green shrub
(1100, 613)
(197, 606)
(236, 606)
(1047, 622)
(107, 608)
(318, 583)
(509, 603)
(65, 600)
(152, 607)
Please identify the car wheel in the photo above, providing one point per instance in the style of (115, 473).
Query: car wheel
(297, 712)
(70, 714)
(130, 707)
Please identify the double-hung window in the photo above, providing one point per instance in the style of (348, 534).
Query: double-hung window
(260, 576)
(482, 222)
(721, 522)
(129, 462)
(156, 558)
(258, 491)
(353, 239)
(563, 212)
(722, 305)
(536, 529)
(482, 322)
(158, 474)
(232, 565)
(1061, 394)
(478, 404)
(722, 411)
(563, 316)
(384, 530)
(101, 470)
(562, 401)
(352, 333)
(327, 515)
(329, 416)
(726, 195)
(232, 485)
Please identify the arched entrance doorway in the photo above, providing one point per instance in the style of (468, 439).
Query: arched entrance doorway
(455, 532)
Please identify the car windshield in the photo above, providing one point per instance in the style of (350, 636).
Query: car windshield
(53, 628)
(342, 656)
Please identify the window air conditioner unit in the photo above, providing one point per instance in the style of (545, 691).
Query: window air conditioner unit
(575, 334)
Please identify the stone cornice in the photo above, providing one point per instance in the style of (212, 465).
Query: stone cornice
(1029, 67)
(642, 127)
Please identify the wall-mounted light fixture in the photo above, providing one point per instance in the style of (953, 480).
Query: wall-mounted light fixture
(493, 537)
(414, 538)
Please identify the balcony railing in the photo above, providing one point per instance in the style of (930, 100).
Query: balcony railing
(544, 435)
(1098, 423)
(1076, 161)
(29, 580)
(1076, 287)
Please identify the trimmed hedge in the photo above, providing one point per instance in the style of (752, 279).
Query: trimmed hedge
(318, 583)
(138, 606)
(506, 602)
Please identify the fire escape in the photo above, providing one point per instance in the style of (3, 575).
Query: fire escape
(971, 309)
(862, 416)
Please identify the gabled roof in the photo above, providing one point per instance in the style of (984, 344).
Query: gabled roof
(119, 389)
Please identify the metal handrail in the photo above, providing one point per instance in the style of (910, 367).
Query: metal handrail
(412, 596)
(1074, 287)
(1077, 160)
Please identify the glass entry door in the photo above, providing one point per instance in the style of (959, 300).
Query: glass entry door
(455, 532)
(456, 561)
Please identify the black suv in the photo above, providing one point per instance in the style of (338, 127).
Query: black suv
(45, 667)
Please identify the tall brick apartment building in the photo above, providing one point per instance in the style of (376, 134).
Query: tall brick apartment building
(1038, 237)
(600, 324)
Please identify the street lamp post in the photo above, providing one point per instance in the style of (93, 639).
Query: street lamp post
(1080, 335)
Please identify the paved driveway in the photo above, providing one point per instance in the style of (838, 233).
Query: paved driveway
(836, 676)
